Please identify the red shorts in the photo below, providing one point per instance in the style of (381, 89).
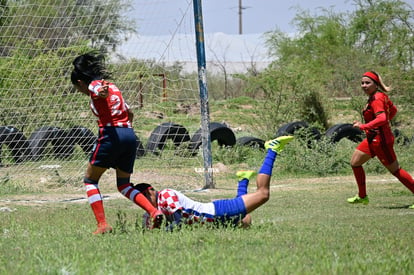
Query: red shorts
(383, 150)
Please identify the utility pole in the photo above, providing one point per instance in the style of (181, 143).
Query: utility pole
(240, 17)
(241, 8)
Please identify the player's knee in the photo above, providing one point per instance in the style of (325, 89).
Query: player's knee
(264, 195)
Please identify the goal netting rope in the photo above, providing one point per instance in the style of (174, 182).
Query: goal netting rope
(46, 128)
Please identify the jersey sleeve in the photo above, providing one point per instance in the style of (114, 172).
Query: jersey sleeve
(380, 106)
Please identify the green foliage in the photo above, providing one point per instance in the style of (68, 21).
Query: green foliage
(7, 186)
(322, 158)
(52, 22)
(327, 57)
(237, 154)
(290, 94)
(33, 92)
(383, 30)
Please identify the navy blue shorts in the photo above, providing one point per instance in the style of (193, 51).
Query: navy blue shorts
(230, 210)
(116, 148)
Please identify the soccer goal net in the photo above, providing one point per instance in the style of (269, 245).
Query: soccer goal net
(47, 130)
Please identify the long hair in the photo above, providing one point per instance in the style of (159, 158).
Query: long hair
(380, 83)
(88, 67)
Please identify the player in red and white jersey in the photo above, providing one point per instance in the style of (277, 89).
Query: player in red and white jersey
(117, 143)
(379, 139)
(180, 209)
(111, 109)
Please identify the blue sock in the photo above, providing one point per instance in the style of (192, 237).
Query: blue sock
(242, 187)
(268, 162)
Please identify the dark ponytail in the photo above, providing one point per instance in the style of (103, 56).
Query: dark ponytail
(89, 67)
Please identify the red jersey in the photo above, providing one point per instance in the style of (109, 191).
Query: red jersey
(112, 110)
(377, 115)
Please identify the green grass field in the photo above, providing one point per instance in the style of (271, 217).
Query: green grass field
(305, 228)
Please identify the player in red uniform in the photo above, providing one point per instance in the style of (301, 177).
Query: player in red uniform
(180, 209)
(116, 145)
(379, 139)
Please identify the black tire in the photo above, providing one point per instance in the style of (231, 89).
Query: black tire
(400, 138)
(344, 130)
(299, 126)
(140, 149)
(63, 144)
(166, 131)
(84, 137)
(218, 131)
(16, 141)
(251, 142)
(39, 140)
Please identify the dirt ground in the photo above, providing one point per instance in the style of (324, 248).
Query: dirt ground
(77, 195)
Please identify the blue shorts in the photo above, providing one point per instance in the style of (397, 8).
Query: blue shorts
(116, 148)
(230, 210)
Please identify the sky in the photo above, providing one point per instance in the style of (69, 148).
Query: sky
(166, 28)
(257, 16)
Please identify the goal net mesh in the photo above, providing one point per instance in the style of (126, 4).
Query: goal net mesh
(47, 130)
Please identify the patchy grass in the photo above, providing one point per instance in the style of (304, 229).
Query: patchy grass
(305, 228)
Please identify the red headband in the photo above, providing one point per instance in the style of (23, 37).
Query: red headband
(372, 76)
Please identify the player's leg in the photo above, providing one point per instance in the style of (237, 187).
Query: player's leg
(360, 156)
(244, 177)
(125, 188)
(256, 199)
(389, 159)
(125, 159)
(387, 156)
(92, 176)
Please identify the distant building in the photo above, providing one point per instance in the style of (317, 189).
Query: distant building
(236, 53)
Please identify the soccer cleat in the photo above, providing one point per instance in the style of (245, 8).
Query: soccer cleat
(357, 199)
(102, 229)
(245, 174)
(278, 143)
(411, 207)
(157, 219)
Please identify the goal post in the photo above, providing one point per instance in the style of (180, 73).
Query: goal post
(204, 108)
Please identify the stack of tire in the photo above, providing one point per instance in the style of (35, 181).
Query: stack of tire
(32, 149)
(63, 141)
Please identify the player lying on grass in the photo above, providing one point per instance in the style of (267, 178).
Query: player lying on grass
(179, 209)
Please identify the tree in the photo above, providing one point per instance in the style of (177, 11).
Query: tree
(385, 30)
(63, 23)
(329, 53)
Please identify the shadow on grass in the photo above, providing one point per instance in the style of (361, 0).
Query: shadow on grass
(397, 207)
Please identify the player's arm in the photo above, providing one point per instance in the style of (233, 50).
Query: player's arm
(175, 220)
(378, 105)
(380, 119)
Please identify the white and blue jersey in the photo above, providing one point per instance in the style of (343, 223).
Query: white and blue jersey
(178, 208)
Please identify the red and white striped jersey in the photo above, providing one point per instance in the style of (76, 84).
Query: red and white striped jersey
(112, 110)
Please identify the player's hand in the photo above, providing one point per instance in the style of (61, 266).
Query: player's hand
(103, 91)
(356, 124)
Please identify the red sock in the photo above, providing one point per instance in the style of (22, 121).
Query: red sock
(137, 197)
(95, 200)
(359, 174)
(405, 179)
